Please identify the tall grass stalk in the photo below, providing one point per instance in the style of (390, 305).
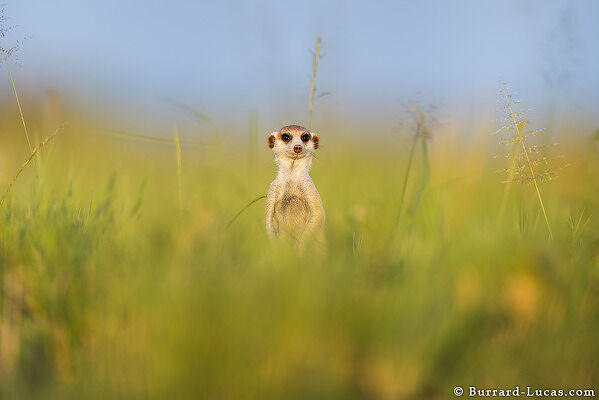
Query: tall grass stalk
(518, 125)
(38, 157)
(179, 169)
(14, 88)
(18, 100)
(419, 136)
(534, 180)
(406, 177)
(313, 84)
(26, 164)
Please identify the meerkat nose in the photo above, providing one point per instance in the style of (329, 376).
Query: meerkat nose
(297, 148)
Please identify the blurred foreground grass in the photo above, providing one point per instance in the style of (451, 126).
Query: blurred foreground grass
(112, 288)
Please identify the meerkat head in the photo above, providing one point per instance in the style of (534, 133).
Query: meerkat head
(293, 142)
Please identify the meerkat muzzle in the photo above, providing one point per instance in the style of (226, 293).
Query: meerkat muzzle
(297, 148)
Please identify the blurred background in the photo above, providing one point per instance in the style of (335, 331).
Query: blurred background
(132, 59)
(135, 264)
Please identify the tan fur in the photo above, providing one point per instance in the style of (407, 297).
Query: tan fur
(293, 206)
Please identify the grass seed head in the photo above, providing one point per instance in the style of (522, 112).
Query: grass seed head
(528, 159)
(419, 117)
(6, 51)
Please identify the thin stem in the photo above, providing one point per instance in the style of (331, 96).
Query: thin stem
(315, 64)
(25, 165)
(534, 180)
(407, 174)
(14, 88)
(425, 163)
(243, 209)
(149, 138)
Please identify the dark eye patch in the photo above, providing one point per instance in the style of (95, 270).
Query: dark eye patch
(305, 137)
(286, 137)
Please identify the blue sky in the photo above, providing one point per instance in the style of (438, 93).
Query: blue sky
(234, 55)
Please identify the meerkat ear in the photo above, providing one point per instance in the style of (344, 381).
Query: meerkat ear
(315, 140)
(271, 140)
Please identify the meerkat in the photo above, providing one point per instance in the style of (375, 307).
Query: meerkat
(293, 205)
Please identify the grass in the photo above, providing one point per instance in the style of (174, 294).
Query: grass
(521, 167)
(34, 153)
(14, 88)
(108, 293)
(313, 81)
(420, 136)
(112, 286)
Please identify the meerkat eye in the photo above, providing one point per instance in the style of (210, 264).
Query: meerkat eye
(305, 137)
(285, 137)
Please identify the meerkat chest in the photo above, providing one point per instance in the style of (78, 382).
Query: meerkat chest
(293, 203)
(291, 189)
